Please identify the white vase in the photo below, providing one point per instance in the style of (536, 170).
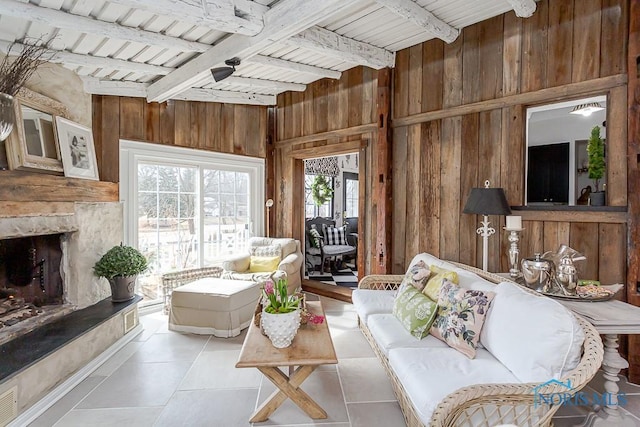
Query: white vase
(281, 328)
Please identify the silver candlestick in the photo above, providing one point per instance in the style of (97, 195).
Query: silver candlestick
(514, 252)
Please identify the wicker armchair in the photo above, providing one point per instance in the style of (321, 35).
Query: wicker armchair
(495, 403)
(170, 281)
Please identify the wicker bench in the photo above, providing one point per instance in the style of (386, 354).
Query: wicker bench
(170, 281)
(488, 404)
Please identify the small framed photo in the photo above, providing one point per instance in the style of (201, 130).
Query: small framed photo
(77, 150)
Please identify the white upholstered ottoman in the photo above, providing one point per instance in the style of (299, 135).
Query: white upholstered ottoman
(213, 306)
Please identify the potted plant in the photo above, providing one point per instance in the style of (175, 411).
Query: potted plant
(121, 266)
(280, 318)
(597, 165)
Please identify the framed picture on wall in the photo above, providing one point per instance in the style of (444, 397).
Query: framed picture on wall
(76, 149)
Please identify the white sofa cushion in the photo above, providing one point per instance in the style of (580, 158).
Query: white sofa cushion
(389, 333)
(549, 337)
(369, 301)
(429, 376)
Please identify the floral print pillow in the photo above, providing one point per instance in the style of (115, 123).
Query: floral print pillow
(415, 311)
(461, 314)
(416, 276)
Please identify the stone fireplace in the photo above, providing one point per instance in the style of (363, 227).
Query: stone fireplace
(46, 263)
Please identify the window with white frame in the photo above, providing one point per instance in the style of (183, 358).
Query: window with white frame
(187, 208)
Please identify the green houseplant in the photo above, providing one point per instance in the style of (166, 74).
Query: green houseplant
(121, 266)
(597, 165)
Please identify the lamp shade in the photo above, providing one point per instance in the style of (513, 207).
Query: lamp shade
(487, 201)
(221, 73)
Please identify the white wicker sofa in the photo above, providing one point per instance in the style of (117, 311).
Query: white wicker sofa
(527, 339)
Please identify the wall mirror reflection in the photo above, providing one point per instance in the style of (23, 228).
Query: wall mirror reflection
(33, 144)
(557, 163)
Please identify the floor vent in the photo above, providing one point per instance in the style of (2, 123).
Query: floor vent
(8, 406)
(130, 320)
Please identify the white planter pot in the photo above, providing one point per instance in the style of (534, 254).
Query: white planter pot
(280, 328)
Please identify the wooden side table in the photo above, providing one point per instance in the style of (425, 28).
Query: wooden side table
(311, 347)
(610, 318)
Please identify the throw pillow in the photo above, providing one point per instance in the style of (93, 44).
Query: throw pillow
(334, 235)
(415, 311)
(315, 238)
(433, 286)
(461, 314)
(270, 251)
(416, 276)
(263, 264)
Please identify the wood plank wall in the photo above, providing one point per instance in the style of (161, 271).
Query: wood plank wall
(224, 128)
(459, 119)
(331, 116)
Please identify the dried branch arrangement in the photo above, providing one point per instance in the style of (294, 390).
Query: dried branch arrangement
(14, 73)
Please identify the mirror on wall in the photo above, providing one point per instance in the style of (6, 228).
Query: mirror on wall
(556, 157)
(33, 143)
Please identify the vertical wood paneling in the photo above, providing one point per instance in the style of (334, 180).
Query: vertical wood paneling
(450, 165)
(96, 120)
(167, 122)
(415, 79)
(452, 87)
(586, 40)
(401, 84)
(182, 130)
(110, 139)
(413, 186)
(615, 28)
(468, 180)
(584, 239)
(511, 177)
(131, 118)
(534, 49)
(560, 38)
(369, 93)
(212, 138)
(399, 195)
(617, 148)
(612, 266)
(471, 71)
(512, 54)
(151, 115)
(198, 120)
(430, 194)
(490, 46)
(555, 234)
(432, 75)
(320, 110)
(355, 97)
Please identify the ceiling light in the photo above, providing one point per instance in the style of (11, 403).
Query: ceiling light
(222, 73)
(587, 109)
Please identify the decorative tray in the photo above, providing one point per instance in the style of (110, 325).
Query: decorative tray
(589, 293)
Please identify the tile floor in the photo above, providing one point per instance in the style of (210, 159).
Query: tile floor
(163, 378)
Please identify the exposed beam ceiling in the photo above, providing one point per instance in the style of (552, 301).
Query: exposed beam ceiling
(216, 14)
(77, 60)
(411, 11)
(83, 24)
(294, 66)
(286, 19)
(523, 8)
(329, 43)
(271, 85)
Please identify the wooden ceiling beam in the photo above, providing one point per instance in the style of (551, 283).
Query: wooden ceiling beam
(82, 24)
(413, 12)
(243, 17)
(139, 90)
(523, 8)
(68, 58)
(287, 18)
(332, 44)
(294, 66)
(271, 85)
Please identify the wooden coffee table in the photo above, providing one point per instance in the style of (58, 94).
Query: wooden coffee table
(311, 347)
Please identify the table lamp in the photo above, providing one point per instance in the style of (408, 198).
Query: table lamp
(486, 201)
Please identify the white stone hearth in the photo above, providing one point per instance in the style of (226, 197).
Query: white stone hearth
(88, 233)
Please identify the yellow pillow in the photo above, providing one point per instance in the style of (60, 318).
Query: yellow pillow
(262, 264)
(432, 290)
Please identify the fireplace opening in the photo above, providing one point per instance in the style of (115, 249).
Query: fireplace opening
(30, 278)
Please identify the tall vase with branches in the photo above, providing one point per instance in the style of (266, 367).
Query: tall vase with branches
(14, 73)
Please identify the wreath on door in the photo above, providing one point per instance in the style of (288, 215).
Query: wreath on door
(321, 191)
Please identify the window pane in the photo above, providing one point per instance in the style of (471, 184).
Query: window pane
(167, 178)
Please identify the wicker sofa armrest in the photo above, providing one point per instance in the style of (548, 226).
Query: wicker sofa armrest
(511, 403)
(170, 281)
(381, 282)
